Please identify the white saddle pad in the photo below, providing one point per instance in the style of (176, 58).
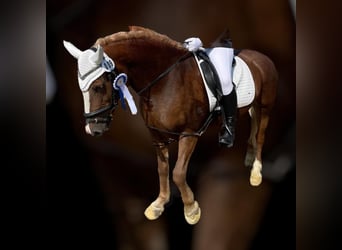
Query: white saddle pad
(245, 89)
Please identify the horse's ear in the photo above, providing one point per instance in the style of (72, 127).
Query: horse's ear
(98, 56)
(75, 52)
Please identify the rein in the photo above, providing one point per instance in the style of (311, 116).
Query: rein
(91, 117)
(167, 71)
(182, 134)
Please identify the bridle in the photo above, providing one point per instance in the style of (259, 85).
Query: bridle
(96, 116)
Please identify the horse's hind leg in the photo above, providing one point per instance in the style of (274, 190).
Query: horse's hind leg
(186, 146)
(251, 147)
(156, 208)
(262, 116)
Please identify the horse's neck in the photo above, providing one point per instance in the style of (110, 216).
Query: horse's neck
(143, 63)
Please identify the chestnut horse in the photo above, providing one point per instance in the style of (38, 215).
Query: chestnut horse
(173, 102)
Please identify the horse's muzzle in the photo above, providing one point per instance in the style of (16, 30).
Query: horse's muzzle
(96, 129)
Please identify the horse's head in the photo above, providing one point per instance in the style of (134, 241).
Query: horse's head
(95, 77)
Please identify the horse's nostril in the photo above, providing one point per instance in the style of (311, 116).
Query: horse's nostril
(96, 133)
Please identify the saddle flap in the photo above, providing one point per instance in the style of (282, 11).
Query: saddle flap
(245, 87)
(209, 73)
(242, 78)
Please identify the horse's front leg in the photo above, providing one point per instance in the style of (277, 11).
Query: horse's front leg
(186, 146)
(157, 207)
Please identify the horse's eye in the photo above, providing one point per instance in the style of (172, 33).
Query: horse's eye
(99, 88)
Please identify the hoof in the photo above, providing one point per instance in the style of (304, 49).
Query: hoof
(256, 177)
(153, 212)
(192, 214)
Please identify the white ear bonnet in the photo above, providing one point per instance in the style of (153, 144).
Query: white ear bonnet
(92, 63)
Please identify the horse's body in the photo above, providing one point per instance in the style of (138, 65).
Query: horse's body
(175, 106)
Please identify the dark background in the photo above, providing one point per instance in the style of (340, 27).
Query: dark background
(84, 199)
(25, 133)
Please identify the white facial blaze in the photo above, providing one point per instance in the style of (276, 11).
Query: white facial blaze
(87, 129)
(86, 101)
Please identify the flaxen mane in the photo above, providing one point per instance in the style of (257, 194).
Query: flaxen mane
(136, 32)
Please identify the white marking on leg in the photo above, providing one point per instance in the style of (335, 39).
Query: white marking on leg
(154, 210)
(256, 177)
(192, 213)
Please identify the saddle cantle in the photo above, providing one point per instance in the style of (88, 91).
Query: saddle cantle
(242, 79)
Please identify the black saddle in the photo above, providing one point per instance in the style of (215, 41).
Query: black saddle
(210, 73)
